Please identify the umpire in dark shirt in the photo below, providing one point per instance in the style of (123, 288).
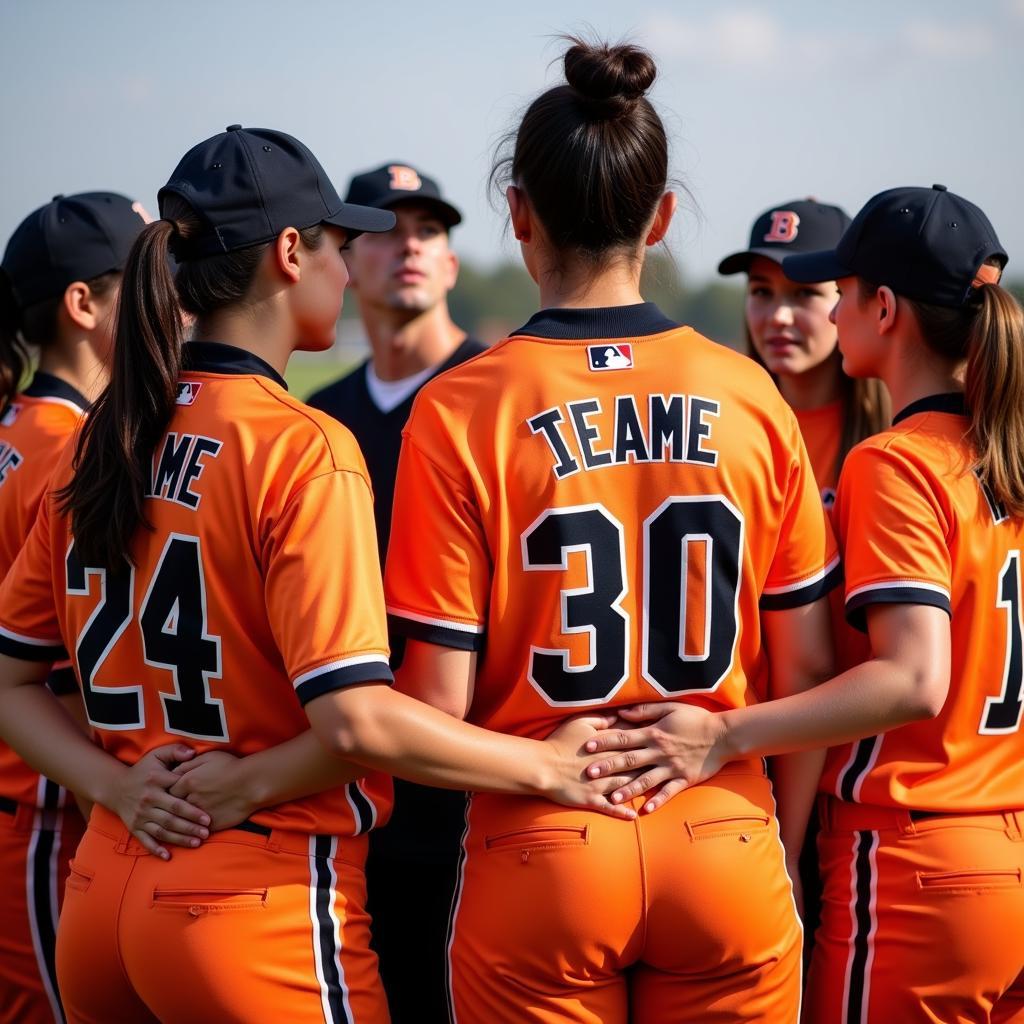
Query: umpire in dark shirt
(402, 278)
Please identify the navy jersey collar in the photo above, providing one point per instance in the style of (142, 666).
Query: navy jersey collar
(46, 385)
(564, 324)
(216, 357)
(952, 402)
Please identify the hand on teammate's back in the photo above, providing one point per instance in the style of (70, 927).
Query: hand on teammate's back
(212, 782)
(149, 811)
(679, 748)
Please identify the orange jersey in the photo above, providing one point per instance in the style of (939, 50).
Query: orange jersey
(257, 589)
(822, 430)
(603, 504)
(34, 430)
(917, 527)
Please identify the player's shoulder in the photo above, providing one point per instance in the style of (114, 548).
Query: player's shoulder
(308, 434)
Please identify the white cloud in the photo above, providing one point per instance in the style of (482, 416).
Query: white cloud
(933, 39)
(749, 39)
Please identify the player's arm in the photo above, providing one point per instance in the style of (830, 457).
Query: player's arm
(71, 702)
(34, 723)
(230, 789)
(906, 681)
(390, 731)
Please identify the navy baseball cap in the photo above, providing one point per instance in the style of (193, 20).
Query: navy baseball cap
(249, 184)
(71, 238)
(803, 225)
(926, 244)
(395, 182)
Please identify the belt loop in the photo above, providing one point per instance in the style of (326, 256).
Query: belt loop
(1014, 824)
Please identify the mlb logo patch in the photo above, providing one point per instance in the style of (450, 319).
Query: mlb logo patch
(610, 357)
(10, 414)
(188, 391)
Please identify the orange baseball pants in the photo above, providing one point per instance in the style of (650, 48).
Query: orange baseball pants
(684, 915)
(36, 844)
(922, 918)
(252, 926)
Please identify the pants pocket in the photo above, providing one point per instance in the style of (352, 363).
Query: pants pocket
(969, 880)
(538, 837)
(78, 878)
(209, 901)
(740, 825)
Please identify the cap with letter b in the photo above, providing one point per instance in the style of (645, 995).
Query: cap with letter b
(926, 244)
(249, 184)
(391, 184)
(71, 238)
(801, 225)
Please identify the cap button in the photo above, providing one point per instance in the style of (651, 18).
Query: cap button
(233, 128)
(940, 188)
(59, 195)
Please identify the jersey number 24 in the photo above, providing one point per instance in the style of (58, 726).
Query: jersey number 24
(172, 620)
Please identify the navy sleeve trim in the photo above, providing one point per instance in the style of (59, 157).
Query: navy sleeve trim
(781, 598)
(26, 650)
(433, 633)
(904, 593)
(339, 675)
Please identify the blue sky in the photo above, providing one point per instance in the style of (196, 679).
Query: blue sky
(764, 102)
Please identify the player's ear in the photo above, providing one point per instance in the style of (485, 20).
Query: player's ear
(79, 305)
(286, 251)
(662, 218)
(885, 299)
(519, 213)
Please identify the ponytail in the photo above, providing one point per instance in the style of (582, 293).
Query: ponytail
(112, 456)
(114, 451)
(987, 332)
(13, 355)
(994, 389)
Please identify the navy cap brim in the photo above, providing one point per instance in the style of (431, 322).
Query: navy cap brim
(739, 262)
(815, 267)
(357, 219)
(446, 212)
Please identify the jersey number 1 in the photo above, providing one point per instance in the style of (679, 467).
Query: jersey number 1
(1002, 714)
(172, 621)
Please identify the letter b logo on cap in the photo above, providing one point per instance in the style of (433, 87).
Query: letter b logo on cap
(404, 179)
(784, 226)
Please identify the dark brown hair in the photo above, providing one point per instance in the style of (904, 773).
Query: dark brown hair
(987, 332)
(34, 326)
(591, 155)
(114, 448)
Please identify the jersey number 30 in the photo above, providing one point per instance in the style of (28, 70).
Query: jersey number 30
(172, 621)
(692, 551)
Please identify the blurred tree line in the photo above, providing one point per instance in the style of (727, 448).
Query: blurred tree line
(492, 302)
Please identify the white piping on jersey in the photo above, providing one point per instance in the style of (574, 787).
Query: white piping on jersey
(30, 640)
(808, 581)
(897, 585)
(362, 659)
(461, 627)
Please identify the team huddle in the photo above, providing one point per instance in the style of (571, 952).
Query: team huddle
(605, 674)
